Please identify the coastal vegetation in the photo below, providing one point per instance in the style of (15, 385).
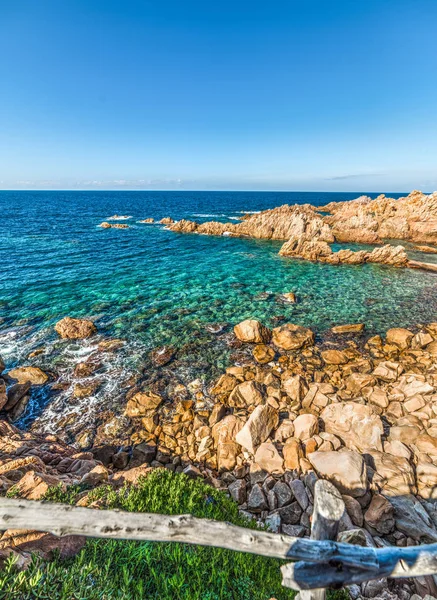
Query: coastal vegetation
(107, 569)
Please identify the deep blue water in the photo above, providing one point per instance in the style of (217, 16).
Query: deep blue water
(153, 287)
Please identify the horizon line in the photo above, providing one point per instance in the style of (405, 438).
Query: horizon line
(380, 191)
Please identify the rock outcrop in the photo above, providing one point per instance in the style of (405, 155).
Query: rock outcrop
(321, 251)
(364, 220)
(308, 231)
(280, 223)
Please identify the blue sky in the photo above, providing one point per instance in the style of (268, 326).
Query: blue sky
(160, 94)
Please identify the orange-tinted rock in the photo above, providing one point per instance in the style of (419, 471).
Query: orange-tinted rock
(353, 328)
(224, 433)
(293, 453)
(33, 375)
(263, 354)
(334, 357)
(33, 486)
(252, 331)
(75, 329)
(292, 337)
(130, 476)
(357, 425)
(346, 470)
(258, 428)
(141, 403)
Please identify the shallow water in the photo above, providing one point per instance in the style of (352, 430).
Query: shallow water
(153, 287)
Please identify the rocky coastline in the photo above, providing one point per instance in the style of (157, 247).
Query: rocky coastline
(309, 231)
(356, 409)
(359, 411)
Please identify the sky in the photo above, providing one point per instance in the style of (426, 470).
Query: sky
(316, 95)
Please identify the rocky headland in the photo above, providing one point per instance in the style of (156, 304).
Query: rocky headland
(358, 410)
(308, 231)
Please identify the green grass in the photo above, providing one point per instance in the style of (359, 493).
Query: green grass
(107, 569)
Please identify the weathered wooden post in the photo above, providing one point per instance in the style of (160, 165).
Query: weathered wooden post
(328, 510)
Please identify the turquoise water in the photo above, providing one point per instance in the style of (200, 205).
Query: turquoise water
(153, 287)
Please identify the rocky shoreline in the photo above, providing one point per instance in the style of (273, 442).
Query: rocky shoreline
(309, 231)
(359, 411)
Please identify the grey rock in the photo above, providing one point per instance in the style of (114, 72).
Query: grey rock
(310, 481)
(15, 413)
(142, 453)
(354, 591)
(272, 500)
(291, 514)
(412, 519)
(237, 489)
(283, 493)
(380, 515)
(256, 501)
(373, 588)
(163, 457)
(305, 520)
(354, 510)
(293, 530)
(357, 537)
(246, 514)
(300, 494)
(345, 523)
(120, 460)
(273, 522)
(192, 472)
(227, 478)
(256, 474)
(268, 484)
(15, 393)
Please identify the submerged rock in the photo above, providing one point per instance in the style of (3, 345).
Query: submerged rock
(163, 355)
(263, 354)
(354, 328)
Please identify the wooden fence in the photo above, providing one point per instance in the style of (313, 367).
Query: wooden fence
(319, 562)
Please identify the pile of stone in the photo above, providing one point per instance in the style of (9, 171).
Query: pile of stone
(364, 418)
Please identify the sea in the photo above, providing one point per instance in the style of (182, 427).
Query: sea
(152, 287)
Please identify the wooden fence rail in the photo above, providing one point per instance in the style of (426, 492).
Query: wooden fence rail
(320, 561)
